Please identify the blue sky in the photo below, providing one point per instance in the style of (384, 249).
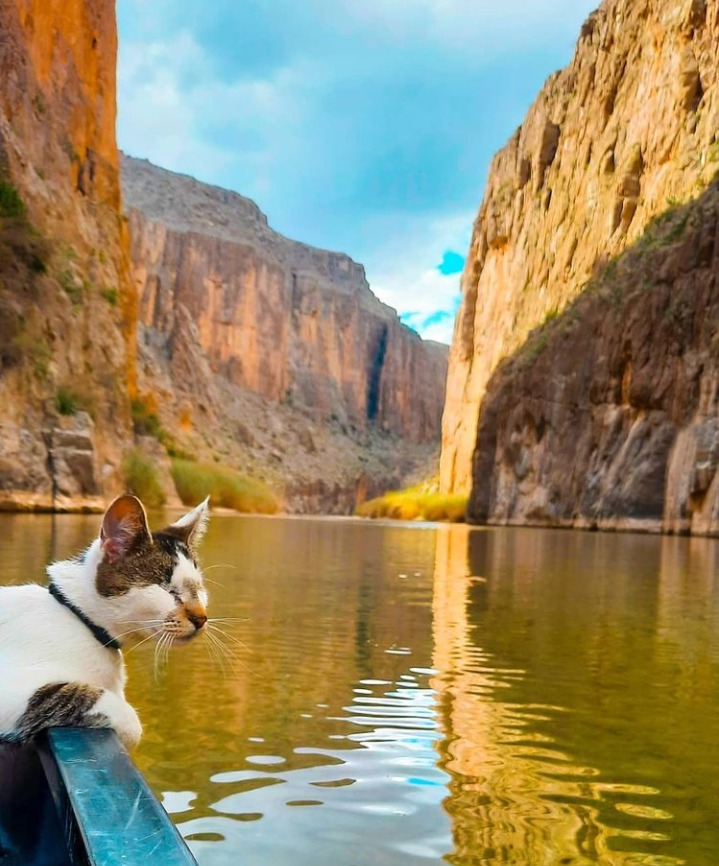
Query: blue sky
(365, 126)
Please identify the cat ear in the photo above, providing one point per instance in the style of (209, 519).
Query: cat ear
(192, 526)
(123, 527)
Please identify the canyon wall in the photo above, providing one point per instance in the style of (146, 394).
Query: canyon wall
(628, 129)
(296, 325)
(608, 417)
(66, 309)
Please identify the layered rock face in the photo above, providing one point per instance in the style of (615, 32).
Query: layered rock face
(296, 325)
(629, 128)
(63, 258)
(609, 416)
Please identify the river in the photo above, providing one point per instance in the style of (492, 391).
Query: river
(410, 694)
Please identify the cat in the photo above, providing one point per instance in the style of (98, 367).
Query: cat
(60, 646)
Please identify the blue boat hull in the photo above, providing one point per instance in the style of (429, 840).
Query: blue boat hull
(76, 799)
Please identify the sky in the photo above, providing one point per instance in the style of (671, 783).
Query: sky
(362, 126)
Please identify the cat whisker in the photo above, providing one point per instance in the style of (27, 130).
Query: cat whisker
(216, 635)
(141, 621)
(159, 657)
(213, 648)
(223, 654)
(218, 628)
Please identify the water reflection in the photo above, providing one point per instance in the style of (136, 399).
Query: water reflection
(417, 695)
(578, 674)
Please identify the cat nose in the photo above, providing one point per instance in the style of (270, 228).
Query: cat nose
(197, 619)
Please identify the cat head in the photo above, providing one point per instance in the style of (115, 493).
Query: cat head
(152, 580)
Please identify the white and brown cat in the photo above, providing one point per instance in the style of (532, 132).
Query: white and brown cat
(60, 646)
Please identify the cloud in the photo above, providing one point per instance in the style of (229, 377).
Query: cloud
(404, 275)
(357, 125)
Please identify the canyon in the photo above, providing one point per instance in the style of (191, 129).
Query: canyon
(271, 353)
(243, 347)
(627, 130)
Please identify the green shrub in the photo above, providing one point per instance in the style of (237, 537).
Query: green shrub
(112, 296)
(11, 205)
(66, 401)
(142, 478)
(145, 421)
(225, 487)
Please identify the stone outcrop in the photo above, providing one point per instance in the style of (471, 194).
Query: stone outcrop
(65, 304)
(628, 129)
(288, 322)
(608, 417)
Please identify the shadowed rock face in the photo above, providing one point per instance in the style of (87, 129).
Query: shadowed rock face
(608, 417)
(294, 324)
(628, 127)
(63, 265)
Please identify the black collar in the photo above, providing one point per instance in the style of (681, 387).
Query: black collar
(99, 633)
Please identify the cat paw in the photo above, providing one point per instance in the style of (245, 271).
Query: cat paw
(121, 717)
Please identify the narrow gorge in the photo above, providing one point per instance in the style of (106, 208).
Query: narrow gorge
(241, 348)
(273, 354)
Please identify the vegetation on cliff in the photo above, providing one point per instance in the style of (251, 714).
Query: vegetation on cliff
(225, 487)
(607, 416)
(422, 502)
(627, 128)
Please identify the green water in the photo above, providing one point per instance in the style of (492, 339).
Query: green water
(420, 694)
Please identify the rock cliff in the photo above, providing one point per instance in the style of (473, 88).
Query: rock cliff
(273, 354)
(65, 305)
(629, 129)
(608, 417)
(286, 321)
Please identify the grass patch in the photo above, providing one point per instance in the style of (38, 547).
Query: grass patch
(11, 205)
(415, 503)
(144, 421)
(28, 346)
(66, 401)
(225, 487)
(142, 478)
(75, 289)
(112, 296)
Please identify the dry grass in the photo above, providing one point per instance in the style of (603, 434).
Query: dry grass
(415, 503)
(142, 479)
(225, 487)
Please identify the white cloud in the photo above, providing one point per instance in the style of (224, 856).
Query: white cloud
(403, 272)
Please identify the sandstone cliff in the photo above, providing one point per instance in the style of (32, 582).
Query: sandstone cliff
(63, 257)
(273, 354)
(608, 417)
(628, 129)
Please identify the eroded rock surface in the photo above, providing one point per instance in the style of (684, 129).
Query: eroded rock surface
(65, 302)
(608, 417)
(273, 356)
(625, 131)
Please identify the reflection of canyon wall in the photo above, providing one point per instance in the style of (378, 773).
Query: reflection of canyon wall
(628, 127)
(497, 790)
(63, 268)
(291, 323)
(576, 674)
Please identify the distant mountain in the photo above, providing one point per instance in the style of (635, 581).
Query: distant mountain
(230, 310)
